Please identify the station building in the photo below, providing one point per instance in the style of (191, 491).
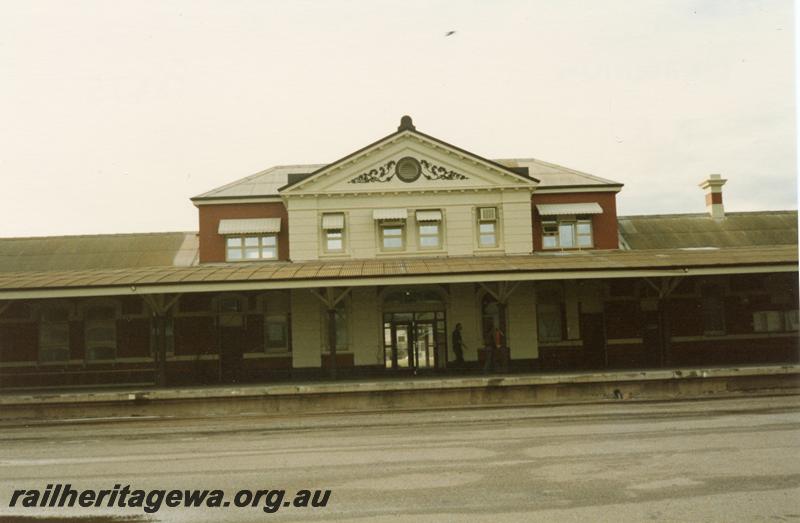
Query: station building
(364, 266)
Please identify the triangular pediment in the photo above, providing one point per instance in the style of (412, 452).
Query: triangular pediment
(408, 161)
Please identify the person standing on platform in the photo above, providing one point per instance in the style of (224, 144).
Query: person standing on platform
(494, 343)
(458, 346)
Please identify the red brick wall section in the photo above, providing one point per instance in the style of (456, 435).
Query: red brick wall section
(724, 351)
(343, 360)
(195, 335)
(254, 333)
(19, 342)
(623, 319)
(604, 226)
(686, 316)
(212, 245)
(133, 338)
(132, 304)
(76, 340)
(195, 302)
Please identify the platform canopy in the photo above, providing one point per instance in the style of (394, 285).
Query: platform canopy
(397, 271)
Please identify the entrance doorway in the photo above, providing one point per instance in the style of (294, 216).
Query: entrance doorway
(415, 340)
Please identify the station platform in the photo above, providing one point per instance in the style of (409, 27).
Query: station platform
(402, 393)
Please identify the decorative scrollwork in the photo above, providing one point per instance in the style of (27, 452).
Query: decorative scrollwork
(437, 172)
(380, 174)
(386, 172)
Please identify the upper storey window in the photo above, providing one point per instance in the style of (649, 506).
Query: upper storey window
(487, 227)
(567, 232)
(333, 229)
(391, 228)
(250, 239)
(246, 248)
(429, 229)
(568, 225)
(392, 236)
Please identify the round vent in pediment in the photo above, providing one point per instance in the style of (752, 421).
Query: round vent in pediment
(408, 169)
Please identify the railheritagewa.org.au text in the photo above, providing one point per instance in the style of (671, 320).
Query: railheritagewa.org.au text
(58, 495)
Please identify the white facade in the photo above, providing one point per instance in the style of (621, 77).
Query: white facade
(450, 182)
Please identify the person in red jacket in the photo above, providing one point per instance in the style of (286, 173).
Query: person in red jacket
(494, 341)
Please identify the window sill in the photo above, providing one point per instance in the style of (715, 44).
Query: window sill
(254, 260)
(562, 344)
(59, 363)
(266, 355)
(332, 255)
(438, 252)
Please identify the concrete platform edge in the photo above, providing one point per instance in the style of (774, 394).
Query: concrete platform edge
(330, 397)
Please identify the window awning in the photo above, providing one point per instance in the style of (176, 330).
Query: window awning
(333, 221)
(560, 209)
(429, 216)
(249, 226)
(390, 214)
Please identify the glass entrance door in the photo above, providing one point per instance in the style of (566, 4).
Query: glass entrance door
(414, 340)
(424, 345)
(402, 340)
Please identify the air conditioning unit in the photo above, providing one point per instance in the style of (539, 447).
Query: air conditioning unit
(488, 214)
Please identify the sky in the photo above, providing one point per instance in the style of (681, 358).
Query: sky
(116, 113)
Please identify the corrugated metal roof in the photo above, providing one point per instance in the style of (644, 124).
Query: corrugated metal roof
(122, 258)
(429, 216)
(101, 251)
(737, 229)
(390, 214)
(286, 271)
(249, 226)
(553, 175)
(562, 209)
(263, 183)
(268, 181)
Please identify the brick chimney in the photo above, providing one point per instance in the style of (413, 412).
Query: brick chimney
(713, 187)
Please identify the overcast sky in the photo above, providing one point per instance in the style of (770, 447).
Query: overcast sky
(115, 113)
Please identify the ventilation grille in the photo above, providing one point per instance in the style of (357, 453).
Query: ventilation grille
(408, 169)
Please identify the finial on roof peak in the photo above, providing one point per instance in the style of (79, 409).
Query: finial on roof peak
(406, 124)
